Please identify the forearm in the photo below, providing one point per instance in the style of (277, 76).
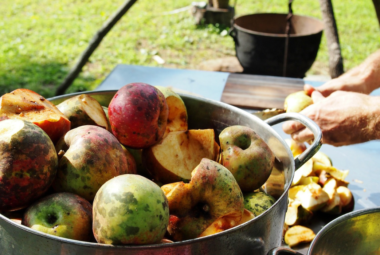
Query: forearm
(374, 119)
(369, 71)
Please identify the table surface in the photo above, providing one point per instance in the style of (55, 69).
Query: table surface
(362, 160)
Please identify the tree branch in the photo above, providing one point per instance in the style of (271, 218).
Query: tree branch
(94, 43)
(335, 54)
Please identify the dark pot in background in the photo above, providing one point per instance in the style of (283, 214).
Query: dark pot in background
(260, 43)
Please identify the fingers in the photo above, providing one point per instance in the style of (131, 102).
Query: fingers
(303, 135)
(290, 127)
(317, 96)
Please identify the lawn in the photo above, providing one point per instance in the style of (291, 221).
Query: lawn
(41, 39)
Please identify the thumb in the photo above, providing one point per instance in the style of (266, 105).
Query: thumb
(316, 96)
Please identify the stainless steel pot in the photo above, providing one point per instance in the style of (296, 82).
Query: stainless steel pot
(257, 236)
(354, 233)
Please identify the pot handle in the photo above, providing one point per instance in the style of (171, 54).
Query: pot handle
(283, 251)
(232, 32)
(314, 147)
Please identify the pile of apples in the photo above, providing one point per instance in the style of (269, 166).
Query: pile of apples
(317, 186)
(129, 173)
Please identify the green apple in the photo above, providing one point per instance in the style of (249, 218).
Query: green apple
(247, 156)
(258, 202)
(130, 209)
(212, 194)
(297, 101)
(61, 214)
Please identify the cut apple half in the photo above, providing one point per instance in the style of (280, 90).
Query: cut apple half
(177, 118)
(175, 157)
(84, 110)
(28, 105)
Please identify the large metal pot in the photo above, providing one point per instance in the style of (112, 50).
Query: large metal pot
(257, 236)
(260, 43)
(354, 233)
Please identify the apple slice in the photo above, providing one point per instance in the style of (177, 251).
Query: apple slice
(298, 234)
(177, 118)
(334, 172)
(27, 105)
(293, 191)
(322, 158)
(296, 147)
(224, 223)
(313, 197)
(84, 110)
(304, 171)
(296, 214)
(175, 157)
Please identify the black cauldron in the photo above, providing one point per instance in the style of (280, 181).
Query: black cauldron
(260, 43)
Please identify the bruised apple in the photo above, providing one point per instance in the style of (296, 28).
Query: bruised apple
(28, 163)
(212, 194)
(247, 156)
(89, 156)
(28, 105)
(138, 114)
(130, 209)
(61, 214)
(84, 110)
(177, 118)
(176, 156)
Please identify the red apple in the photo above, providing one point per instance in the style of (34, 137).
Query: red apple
(28, 163)
(138, 115)
(28, 105)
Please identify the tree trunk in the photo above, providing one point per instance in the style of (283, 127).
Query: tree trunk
(376, 4)
(335, 55)
(94, 43)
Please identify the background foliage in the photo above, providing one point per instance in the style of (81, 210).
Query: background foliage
(41, 39)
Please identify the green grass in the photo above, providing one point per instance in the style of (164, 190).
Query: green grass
(41, 40)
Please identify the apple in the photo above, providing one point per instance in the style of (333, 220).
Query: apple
(247, 156)
(177, 118)
(296, 147)
(312, 197)
(258, 202)
(298, 234)
(89, 156)
(211, 194)
(83, 110)
(28, 105)
(220, 224)
(176, 156)
(138, 114)
(297, 101)
(130, 209)
(296, 214)
(61, 214)
(28, 163)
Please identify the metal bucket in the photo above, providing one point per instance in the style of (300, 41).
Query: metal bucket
(257, 236)
(260, 43)
(355, 233)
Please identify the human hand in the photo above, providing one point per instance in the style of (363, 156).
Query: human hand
(344, 118)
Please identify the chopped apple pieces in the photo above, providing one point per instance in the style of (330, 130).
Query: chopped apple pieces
(316, 186)
(298, 234)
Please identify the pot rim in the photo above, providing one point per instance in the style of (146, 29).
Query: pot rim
(178, 243)
(253, 32)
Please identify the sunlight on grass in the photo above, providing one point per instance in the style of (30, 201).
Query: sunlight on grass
(41, 39)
